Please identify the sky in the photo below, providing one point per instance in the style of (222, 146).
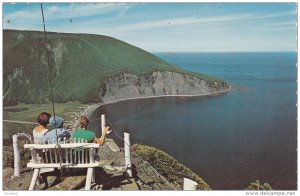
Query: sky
(168, 27)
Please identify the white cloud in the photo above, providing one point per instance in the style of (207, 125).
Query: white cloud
(53, 8)
(31, 18)
(28, 16)
(275, 15)
(276, 29)
(167, 23)
(85, 10)
(181, 21)
(283, 24)
(118, 10)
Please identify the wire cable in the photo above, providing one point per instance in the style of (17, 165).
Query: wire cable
(157, 173)
(58, 149)
(49, 69)
(162, 177)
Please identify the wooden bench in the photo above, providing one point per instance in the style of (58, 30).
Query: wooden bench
(64, 155)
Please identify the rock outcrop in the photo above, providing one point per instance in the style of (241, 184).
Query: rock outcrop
(158, 84)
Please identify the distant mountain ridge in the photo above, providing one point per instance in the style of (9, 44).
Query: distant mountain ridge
(85, 68)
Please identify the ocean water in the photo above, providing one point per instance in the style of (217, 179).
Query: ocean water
(230, 140)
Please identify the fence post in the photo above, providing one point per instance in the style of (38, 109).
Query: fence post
(127, 153)
(17, 159)
(189, 184)
(16, 155)
(102, 122)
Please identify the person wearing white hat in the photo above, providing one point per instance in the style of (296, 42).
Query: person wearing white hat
(58, 132)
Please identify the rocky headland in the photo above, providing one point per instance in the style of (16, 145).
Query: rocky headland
(158, 84)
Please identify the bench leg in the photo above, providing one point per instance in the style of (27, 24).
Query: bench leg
(34, 178)
(89, 176)
(93, 177)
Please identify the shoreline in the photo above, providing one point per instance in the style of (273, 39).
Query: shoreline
(88, 111)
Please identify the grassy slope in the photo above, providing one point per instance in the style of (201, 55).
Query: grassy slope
(169, 167)
(85, 63)
(29, 112)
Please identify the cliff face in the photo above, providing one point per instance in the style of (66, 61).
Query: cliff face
(158, 84)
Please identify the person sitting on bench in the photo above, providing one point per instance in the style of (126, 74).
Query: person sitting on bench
(88, 135)
(58, 132)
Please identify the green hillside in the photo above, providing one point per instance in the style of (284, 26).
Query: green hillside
(79, 64)
(167, 166)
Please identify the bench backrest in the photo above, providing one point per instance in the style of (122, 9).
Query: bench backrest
(70, 155)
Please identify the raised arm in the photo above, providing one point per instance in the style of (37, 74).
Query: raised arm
(102, 138)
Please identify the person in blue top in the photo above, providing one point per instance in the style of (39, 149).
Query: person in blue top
(58, 132)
